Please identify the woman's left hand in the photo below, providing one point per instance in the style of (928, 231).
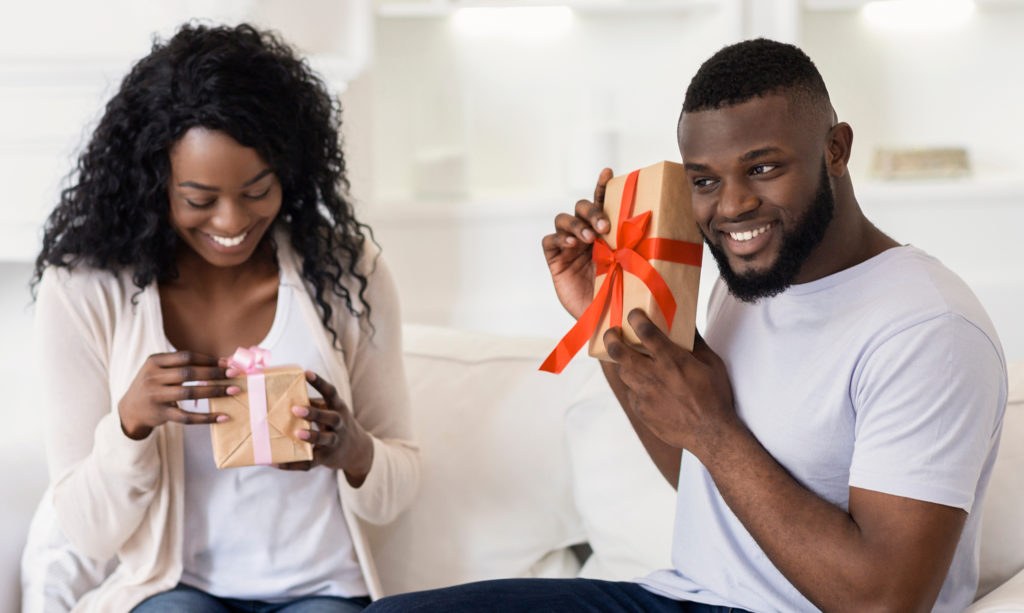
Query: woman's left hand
(339, 442)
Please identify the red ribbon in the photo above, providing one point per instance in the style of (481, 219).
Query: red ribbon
(633, 255)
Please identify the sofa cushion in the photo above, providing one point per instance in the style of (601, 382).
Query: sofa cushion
(517, 465)
(1002, 536)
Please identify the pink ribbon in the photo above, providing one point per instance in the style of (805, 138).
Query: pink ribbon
(253, 360)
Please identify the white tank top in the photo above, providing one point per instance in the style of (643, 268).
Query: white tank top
(261, 533)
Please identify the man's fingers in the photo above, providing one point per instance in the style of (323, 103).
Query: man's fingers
(602, 182)
(628, 359)
(653, 339)
(592, 215)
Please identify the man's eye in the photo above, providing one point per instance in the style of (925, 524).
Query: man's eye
(258, 196)
(761, 169)
(201, 205)
(703, 183)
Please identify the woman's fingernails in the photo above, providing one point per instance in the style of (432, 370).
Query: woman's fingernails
(231, 372)
(300, 411)
(222, 418)
(202, 382)
(310, 375)
(232, 390)
(303, 434)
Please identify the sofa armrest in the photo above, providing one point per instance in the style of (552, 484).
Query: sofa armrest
(1007, 598)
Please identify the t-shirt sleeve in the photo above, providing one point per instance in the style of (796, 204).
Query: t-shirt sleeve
(929, 402)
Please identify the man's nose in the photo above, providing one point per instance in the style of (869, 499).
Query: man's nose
(736, 200)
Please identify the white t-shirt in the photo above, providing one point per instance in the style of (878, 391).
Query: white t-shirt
(262, 533)
(887, 376)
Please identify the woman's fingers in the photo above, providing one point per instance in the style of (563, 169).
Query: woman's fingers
(181, 416)
(321, 438)
(324, 417)
(183, 358)
(173, 375)
(170, 394)
(329, 393)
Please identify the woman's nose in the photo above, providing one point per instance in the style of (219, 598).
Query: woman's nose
(231, 216)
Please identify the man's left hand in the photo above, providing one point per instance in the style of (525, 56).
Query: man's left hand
(684, 398)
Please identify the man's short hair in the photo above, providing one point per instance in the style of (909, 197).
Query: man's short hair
(752, 69)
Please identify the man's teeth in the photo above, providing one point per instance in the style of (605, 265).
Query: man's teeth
(749, 234)
(232, 241)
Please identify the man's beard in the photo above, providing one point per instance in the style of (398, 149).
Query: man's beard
(797, 246)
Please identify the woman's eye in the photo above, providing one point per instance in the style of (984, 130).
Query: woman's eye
(761, 169)
(263, 194)
(201, 205)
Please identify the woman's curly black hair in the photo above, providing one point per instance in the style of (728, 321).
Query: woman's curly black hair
(238, 80)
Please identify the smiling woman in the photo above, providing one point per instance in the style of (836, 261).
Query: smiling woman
(208, 212)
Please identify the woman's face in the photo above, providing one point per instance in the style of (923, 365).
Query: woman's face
(223, 196)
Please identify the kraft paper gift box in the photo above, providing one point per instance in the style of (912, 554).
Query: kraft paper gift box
(233, 440)
(663, 190)
(650, 259)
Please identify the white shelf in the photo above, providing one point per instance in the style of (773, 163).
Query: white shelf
(990, 191)
(442, 8)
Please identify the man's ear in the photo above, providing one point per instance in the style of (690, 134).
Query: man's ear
(838, 145)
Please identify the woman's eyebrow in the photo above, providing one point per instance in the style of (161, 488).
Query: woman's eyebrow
(210, 188)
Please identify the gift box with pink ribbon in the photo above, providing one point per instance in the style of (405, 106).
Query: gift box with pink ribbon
(262, 427)
(650, 259)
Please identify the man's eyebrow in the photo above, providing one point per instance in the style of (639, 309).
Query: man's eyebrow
(209, 188)
(695, 167)
(757, 153)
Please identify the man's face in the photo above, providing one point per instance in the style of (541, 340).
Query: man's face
(761, 191)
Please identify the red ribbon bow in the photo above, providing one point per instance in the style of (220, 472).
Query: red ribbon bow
(633, 255)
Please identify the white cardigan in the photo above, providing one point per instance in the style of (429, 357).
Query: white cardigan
(114, 495)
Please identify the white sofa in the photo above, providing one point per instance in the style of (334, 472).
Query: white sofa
(519, 467)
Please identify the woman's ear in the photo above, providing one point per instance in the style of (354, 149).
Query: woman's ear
(838, 145)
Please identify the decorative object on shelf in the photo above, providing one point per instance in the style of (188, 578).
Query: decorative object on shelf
(934, 163)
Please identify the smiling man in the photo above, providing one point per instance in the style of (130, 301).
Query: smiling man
(832, 440)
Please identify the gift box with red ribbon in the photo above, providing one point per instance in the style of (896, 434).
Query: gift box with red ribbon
(262, 427)
(650, 259)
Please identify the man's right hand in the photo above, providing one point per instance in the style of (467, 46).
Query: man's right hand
(152, 399)
(568, 250)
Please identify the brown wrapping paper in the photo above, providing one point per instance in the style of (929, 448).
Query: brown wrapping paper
(232, 440)
(663, 190)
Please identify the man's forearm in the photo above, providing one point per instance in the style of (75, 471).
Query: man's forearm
(838, 564)
(665, 456)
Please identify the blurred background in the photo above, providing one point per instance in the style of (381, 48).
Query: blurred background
(468, 125)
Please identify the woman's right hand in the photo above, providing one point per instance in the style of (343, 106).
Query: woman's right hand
(151, 399)
(568, 250)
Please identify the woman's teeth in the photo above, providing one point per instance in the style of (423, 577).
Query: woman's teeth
(749, 234)
(229, 241)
